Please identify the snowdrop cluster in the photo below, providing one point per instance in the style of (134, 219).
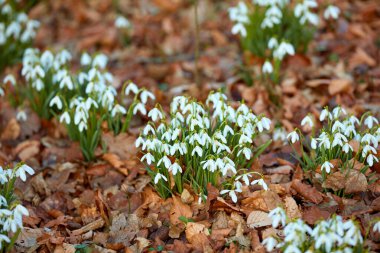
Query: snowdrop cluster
(16, 33)
(11, 211)
(337, 139)
(201, 144)
(83, 100)
(332, 235)
(272, 29)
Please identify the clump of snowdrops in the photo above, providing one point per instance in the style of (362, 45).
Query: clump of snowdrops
(11, 210)
(273, 29)
(83, 100)
(343, 144)
(331, 235)
(17, 32)
(201, 144)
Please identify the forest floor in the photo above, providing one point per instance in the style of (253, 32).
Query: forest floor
(109, 205)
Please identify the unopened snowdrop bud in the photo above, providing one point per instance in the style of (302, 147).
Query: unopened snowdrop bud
(267, 68)
(145, 95)
(57, 102)
(85, 59)
(65, 117)
(307, 121)
(293, 136)
(158, 177)
(155, 114)
(139, 107)
(327, 166)
(22, 170)
(370, 121)
(331, 12)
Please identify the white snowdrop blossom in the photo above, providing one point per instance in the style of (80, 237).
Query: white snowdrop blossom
(21, 116)
(342, 138)
(122, 22)
(331, 12)
(239, 15)
(308, 120)
(267, 68)
(293, 137)
(201, 143)
(331, 235)
(327, 166)
(11, 211)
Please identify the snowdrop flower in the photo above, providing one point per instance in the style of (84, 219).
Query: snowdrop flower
(270, 243)
(267, 68)
(10, 78)
(122, 22)
(260, 182)
(239, 28)
(278, 217)
(145, 95)
(376, 227)
(158, 177)
(22, 170)
(47, 59)
(272, 43)
(327, 166)
(85, 59)
(57, 102)
(370, 120)
(118, 109)
(331, 12)
(370, 159)
(347, 147)
(307, 121)
(65, 117)
(231, 193)
(82, 126)
(293, 136)
(149, 158)
(4, 238)
(139, 107)
(283, 49)
(313, 143)
(164, 160)
(20, 211)
(21, 116)
(131, 88)
(175, 168)
(324, 114)
(100, 61)
(155, 114)
(197, 150)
